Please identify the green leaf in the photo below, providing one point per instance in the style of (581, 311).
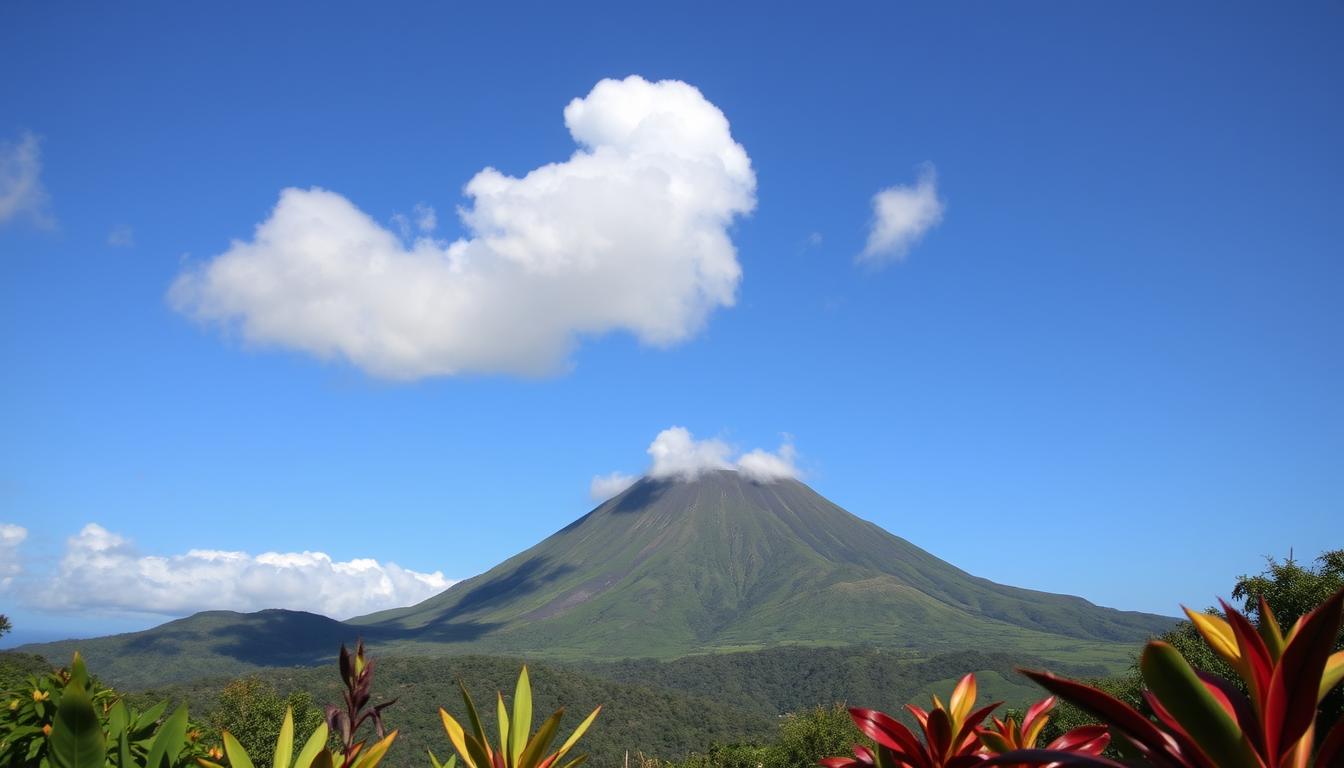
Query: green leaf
(314, 745)
(118, 720)
(472, 716)
(124, 751)
(150, 716)
(170, 740)
(284, 743)
(77, 739)
(503, 715)
(237, 755)
(577, 734)
(1183, 694)
(536, 747)
(521, 723)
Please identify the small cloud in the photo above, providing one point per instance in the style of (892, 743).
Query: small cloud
(425, 218)
(603, 487)
(11, 536)
(102, 571)
(677, 454)
(814, 240)
(765, 467)
(21, 190)
(121, 236)
(901, 216)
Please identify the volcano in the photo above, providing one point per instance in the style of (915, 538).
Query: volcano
(671, 567)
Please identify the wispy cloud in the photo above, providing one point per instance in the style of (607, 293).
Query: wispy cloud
(901, 216)
(121, 236)
(628, 234)
(102, 571)
(11, 536)
(603, 487)
(21, 190)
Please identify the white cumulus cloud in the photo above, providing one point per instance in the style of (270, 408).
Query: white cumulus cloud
(102, 571)
(678, 455)
(11, 536)
(21, 190)
(764, 466)
(901, 216)
(631, 233)
(603, 487)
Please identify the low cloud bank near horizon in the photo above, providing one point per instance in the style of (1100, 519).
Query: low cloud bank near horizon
(676, 454)
(101, 571)
(629, 234)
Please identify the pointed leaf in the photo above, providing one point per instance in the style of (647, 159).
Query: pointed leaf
(1141, 736)
(889, 733)
(502, 714)
(316, 743)
(1332, 675)
(1038, 709)
(577, 734)
(1053, 758)
(1256, 667)
(473, 718)
(1217, 633)
(1290, 707)
(76, 739)
(1181, 692)
(373, 755)
(963, 698)
(458, 737)
(171, 738)
(1086, 739)
(520, 725)
(1331, 752)
(1270, 632)
(541, 741)
(118, 720)
(284, 743)
(238, 757)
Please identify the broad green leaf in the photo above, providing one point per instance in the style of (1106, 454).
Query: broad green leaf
(238, 757)
(170, 739)
(150, 716)
(76, 734)
(284, 743)
(521, 723)
(124, 751)
(118, 720)
(1180, 690)
(79, 674)
(315, 744)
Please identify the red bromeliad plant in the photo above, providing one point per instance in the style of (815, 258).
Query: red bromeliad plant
(950, 739)
(1203, 721)
(1008, 735)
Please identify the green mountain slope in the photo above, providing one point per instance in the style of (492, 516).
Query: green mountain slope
(723, 563)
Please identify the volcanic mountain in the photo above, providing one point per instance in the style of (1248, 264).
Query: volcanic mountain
(673, 567)
(670, 568)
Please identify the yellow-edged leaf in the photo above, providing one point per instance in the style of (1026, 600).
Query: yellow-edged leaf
(315, 744)
(502, 714)
(520, 725)
(574, 737)
(1218, 634)
(1334, 673)
(284, 743)
(1031, 734)
(456, 736)
(237, 755)
(374, 755)
(963, 698)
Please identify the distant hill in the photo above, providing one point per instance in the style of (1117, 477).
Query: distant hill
(664, 570)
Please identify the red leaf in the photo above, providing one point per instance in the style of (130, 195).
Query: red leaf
(837, 762)
(1332, 747)
(1145, 736)
(939, 733)
(1036, 710)
(1086, 739)
(1253, 652)
(881, 728)
(1290, 707)
(1241, 710)
(966, 736)
(1050, 757)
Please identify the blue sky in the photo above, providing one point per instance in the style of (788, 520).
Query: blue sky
(1111, 368)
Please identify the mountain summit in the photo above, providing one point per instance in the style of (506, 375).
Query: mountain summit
(671, 567)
